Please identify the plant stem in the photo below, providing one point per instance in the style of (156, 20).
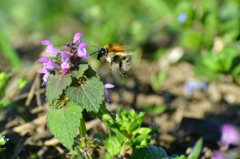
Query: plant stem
(82, 128)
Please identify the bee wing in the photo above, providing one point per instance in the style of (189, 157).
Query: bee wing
(124, 53)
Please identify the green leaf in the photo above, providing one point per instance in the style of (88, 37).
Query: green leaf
(88, 95)
(103, 110)
(196, 149)
(141, 138)
(157, 80)
(113, 144)
(79, 71)
(78, 153)
(90, 72)
(177, 157)
(154, 109)
(129, 121)
(56, 84)
(151, 152)
(63, 123)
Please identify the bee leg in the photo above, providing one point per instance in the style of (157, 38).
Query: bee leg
(100, 60)
(123, 73)
(114, 59)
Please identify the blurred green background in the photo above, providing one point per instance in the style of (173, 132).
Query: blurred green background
(203, 29)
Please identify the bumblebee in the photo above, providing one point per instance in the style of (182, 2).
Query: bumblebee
(114, 54)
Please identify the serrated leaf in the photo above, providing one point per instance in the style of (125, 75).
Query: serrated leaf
(88, 95)
(78, 72)
(56, 84)
(90, 72)
(63, 123)
(151, 152)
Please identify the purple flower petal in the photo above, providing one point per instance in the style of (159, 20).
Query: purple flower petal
(64, 54)
(217, 155)
(45, 77)
(46, 42)
(43, 59)
(82, 45)
(50, 48)
(106, 92)
(76, 37)
(82, 52)
(64, 70)
(65, 57)
(42, 70)
(48, 64)
(109, 85)
(107, 98)
(65, 67)
(230, 135)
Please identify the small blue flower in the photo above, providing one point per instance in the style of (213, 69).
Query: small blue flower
(182, 17)
(3, 139)
(192, 86)
(154, 127)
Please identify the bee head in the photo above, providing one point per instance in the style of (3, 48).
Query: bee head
(102, 51)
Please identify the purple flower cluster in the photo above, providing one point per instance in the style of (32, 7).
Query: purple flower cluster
(72, 50)
(230, 135)
(217, 155)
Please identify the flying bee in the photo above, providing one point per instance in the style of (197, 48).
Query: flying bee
(114, 54)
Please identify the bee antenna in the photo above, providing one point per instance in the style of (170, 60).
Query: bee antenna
(93, 53)
(95, 47)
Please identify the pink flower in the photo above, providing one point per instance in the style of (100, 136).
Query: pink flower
(81, 51)
(217, 155)
(50, 48)
(106, 92)
(65, 59)
(45, 77)
(77, 37)
(48, 64)
(230, 135)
